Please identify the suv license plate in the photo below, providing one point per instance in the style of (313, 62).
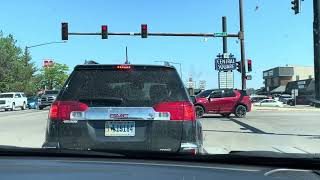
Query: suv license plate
(119, 128)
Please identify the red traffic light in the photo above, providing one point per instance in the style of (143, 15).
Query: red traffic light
(144, 30)
(249, 65)
(104, 28)
(144, 27)
(104, 32)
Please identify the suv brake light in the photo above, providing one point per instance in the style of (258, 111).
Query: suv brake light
(62, 109)
(177, 110)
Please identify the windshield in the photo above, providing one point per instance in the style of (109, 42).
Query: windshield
(6, 95)
(192, 77)
(51, 92)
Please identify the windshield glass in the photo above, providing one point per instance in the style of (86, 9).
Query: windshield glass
(51, 92)
(190, 77)
(6, 95)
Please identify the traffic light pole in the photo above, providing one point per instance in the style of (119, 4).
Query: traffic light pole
(224, 35)
(241, 37)
(316, 44)
(224, 39)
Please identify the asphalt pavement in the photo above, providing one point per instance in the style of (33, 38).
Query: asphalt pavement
(281, 131)
(23, 128)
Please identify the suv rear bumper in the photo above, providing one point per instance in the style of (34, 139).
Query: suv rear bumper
(163, 138)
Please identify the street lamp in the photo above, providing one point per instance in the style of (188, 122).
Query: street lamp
(170, 62)
(37, 45)
(43, 44)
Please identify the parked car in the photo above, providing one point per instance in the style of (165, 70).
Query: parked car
(47, 98)
(285, 97)
(223, 101)
(12, 100)
(33, 102)
(124, 107)
(257, 98)
(269, 103)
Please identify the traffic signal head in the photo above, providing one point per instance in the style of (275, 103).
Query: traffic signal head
(144, 30)
(249, 65)
(239, 66)
(104, 32)
(296, 6)
(64, 31)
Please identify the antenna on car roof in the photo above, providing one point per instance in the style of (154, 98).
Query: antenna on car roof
(127, 60)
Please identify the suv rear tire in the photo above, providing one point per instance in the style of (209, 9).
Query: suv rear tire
(240, 111)
(199, 111)
(40, 107)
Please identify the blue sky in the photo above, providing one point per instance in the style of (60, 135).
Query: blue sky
(274, 36)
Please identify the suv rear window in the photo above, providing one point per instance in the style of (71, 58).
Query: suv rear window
(138, 87)
(51, 92)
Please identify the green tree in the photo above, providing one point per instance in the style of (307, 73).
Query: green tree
(52, 77)
(16, 68)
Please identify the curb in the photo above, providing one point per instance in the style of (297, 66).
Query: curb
(287, 109)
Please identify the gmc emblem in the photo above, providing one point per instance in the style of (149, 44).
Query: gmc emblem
(119, 116)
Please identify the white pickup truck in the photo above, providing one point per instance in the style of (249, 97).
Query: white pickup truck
(11, 100)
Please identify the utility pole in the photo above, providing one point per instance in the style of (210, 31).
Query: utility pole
(241, 37)
(316, 44)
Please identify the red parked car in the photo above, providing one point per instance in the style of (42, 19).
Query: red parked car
(223, 101)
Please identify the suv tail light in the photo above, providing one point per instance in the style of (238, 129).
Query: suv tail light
(177, 110)
(62, 109)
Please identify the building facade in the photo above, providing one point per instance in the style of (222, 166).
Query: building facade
(276, 79)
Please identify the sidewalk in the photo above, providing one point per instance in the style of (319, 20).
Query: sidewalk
(304, 108)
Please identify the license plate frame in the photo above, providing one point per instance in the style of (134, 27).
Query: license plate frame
(119, 128)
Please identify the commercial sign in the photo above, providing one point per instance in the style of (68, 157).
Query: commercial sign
(202, 84)
(225, 64)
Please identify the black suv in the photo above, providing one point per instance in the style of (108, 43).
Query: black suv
(124, 107)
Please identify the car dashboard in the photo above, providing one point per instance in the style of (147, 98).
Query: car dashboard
(15, 168)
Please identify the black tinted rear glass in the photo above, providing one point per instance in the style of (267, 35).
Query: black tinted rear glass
(51, 92)
(134, 88)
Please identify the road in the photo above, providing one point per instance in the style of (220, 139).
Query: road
(282, 131)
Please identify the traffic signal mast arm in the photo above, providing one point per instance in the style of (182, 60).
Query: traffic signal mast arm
(156, 34)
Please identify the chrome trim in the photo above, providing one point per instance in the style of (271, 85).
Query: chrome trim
(119, 113)
(186, 146)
